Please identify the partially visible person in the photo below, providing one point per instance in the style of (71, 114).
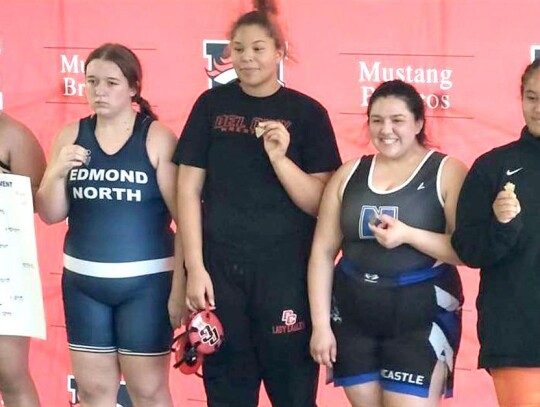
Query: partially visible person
(21, 154)
(111, 174)
(387, 318)
(498, 225)
(254, 158)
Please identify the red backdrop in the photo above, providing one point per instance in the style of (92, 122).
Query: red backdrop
(461, 54)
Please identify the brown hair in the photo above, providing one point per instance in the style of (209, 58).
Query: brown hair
(130, 66)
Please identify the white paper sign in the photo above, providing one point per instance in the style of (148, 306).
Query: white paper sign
(21, 301)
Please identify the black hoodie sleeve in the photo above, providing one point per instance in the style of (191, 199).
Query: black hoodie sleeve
(479, 239)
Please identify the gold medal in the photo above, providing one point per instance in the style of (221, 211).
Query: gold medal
(509, 187)
(259, 131)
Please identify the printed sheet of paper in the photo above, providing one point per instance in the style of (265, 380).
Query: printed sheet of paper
(21, 301)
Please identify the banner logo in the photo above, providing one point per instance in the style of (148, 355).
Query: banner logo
(72, 71)
(434, 82)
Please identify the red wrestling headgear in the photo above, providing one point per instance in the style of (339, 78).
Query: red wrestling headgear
(203, 336)
(205, 332)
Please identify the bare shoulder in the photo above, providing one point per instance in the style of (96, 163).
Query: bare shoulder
(25, 154)
(348, 166)
(452, 177)
(160, 137)
(14, 133)
(340, 177)
(160, 131)
(20, 144)
(67, 135)
(454, 168)
(342, 174)
(452, 164)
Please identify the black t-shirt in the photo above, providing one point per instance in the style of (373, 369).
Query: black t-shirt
(245, 207)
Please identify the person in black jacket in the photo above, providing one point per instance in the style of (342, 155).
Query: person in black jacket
(497, 231)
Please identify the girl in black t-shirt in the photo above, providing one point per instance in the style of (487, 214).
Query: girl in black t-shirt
(254, 158)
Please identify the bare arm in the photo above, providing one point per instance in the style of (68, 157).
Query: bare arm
(161, 143)
(51, 198)
(199, 285)
(437, 245)
(304, 189)
(326, 245)
(177, 297)
(190, 184)
(25, 154)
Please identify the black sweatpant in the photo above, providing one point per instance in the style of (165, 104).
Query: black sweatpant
(263, 305)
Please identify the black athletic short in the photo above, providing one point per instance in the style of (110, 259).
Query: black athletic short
(394, 331)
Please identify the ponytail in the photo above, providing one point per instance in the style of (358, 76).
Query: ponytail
(266, 7)
(144, 106)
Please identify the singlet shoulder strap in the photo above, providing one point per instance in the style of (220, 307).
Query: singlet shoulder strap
(87, 128)
(357, 170)
(142, 124)
(434, 161)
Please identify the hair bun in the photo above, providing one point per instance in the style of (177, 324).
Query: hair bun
(266, 6)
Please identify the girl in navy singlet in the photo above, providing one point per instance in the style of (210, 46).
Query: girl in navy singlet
(111, 175)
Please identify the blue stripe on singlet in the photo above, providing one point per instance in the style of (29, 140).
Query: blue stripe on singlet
(405, 278)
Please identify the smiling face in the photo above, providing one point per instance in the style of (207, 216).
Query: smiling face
(255, 59)
(107, 89)
(392, 127)
(530, 103)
